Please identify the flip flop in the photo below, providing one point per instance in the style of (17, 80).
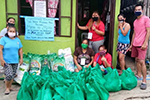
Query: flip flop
(7, 93)
(138, 77)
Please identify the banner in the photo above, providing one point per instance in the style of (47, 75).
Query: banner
(39, 28)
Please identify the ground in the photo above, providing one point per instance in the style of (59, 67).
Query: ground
(134, 94)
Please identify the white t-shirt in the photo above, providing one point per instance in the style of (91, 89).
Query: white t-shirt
(4, 31)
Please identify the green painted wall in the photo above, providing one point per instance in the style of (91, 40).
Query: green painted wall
(2, 14)
(41, 47)
(115, 41)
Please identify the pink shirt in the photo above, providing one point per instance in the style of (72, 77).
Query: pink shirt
(140, 26)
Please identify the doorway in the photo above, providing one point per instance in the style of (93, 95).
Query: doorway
(85, 8)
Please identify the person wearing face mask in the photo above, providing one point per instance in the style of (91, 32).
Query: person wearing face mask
(123, 40)
(96, 31)
(10, 50)
(102, 58)
(83, 56)
(139, 43)
(10, 22)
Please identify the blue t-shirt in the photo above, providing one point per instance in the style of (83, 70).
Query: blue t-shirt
(122, 38)
(11, 49)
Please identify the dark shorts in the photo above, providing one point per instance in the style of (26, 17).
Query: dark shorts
(122, 48)
(10, 71)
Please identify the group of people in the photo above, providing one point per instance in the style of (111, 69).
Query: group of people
(92, 50)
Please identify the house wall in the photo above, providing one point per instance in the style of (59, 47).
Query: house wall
(41, 47)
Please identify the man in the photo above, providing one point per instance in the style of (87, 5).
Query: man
(140, 42)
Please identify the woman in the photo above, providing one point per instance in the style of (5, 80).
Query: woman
(10, 50)
(103, 58)
(123, 40)
(10, 22)
(83, 56)
(96, 31)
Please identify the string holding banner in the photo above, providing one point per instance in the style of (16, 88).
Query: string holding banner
(39, 28)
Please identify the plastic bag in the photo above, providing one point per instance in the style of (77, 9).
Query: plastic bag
(36, 64)
(1, 72)
(74, 92)
(113, 82)
(129, 81)
(91, 93)
(58, 61)
(22, 69)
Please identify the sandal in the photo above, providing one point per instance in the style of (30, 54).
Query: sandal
(7, 93)
(138, 77)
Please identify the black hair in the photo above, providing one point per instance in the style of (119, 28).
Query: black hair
(10, 18)
(85, 39)
(9, 29)
(121, 14)
(139, 4)
(102, 46)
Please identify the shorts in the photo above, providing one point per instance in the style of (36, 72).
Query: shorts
(121, 47)
(10, 71)
(138, 52)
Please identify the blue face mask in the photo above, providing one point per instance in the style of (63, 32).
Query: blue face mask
(138, 13)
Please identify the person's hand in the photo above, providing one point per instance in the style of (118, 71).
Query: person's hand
(120, 25)
(143, 47)
(79, 67)
(130, 48)
(87, 66)
(2, 62)
(93, 28)
(21, 61)
(102, 69)
(103, 59)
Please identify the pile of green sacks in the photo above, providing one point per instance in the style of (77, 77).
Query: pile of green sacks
(88, 84)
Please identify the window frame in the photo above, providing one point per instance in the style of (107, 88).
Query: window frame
(59, 24)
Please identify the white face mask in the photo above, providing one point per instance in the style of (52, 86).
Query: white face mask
(10, 34)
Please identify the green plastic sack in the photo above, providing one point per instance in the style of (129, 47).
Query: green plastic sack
(129, 81)
(26, 88)
(45, 70)
(58, 61)
(91, 93)
(46, 92)
(57, 97)
(45, 61)
(36, 64)
(99, 88)
(113, 82)
(74, 92)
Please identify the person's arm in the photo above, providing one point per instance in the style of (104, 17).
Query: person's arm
(21, 56)
(76, 63)
(125, 31)
(82, 27)
(131, 41)
(92, 59)
(1, 55)
(98, 31)
(143, 47)
(105, 62)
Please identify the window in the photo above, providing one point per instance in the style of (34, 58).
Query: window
(63, 27)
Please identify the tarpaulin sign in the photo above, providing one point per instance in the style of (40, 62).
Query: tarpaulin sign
(39, 28)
